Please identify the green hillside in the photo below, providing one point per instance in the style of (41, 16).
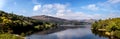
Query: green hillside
(110, 26)
(16, 24)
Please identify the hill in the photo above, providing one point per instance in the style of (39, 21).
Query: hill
(51, 19)
(16, 24)
(111, 27)
(55, 19)
(60, 21)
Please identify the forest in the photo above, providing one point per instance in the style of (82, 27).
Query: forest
(111, 26)
(12, 24)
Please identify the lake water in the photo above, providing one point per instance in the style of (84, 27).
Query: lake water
(76, 33)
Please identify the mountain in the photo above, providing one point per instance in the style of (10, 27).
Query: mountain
(89, 21)
(48, 18)
(51, 19)
(61, 20)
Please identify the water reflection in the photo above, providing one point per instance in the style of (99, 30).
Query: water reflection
(102, 34)
(79, 33)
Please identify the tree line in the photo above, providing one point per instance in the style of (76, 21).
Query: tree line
(16, 24)
(111, 25)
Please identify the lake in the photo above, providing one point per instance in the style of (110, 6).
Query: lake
(70, 33)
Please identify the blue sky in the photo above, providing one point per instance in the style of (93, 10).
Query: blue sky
(68, 9)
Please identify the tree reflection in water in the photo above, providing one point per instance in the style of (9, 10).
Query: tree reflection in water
(102, 34)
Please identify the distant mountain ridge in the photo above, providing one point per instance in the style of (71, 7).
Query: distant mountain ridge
(60, 20)
(51, 19)
(45, 17)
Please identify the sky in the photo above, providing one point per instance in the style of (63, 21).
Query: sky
(67, 9)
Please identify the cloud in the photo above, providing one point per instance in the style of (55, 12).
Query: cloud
(92, 7)
(104, 9)
(101, 10)
(113, 15)
(110, 3)
(50, 8)
(36, 7)
(81, 15)
(62, 11)
(114, 1)
(111, 7)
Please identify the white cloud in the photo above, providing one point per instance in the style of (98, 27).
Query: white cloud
(62, 11)
(107, 7)
(113, 15)
(92, 7)
(114, 1)
(36, 7)
(51, 8)
(109, 4)
(48, 6)
(81, 15)
(111, 7)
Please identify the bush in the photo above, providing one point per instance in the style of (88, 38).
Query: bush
(9, 36)
(117, 33)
